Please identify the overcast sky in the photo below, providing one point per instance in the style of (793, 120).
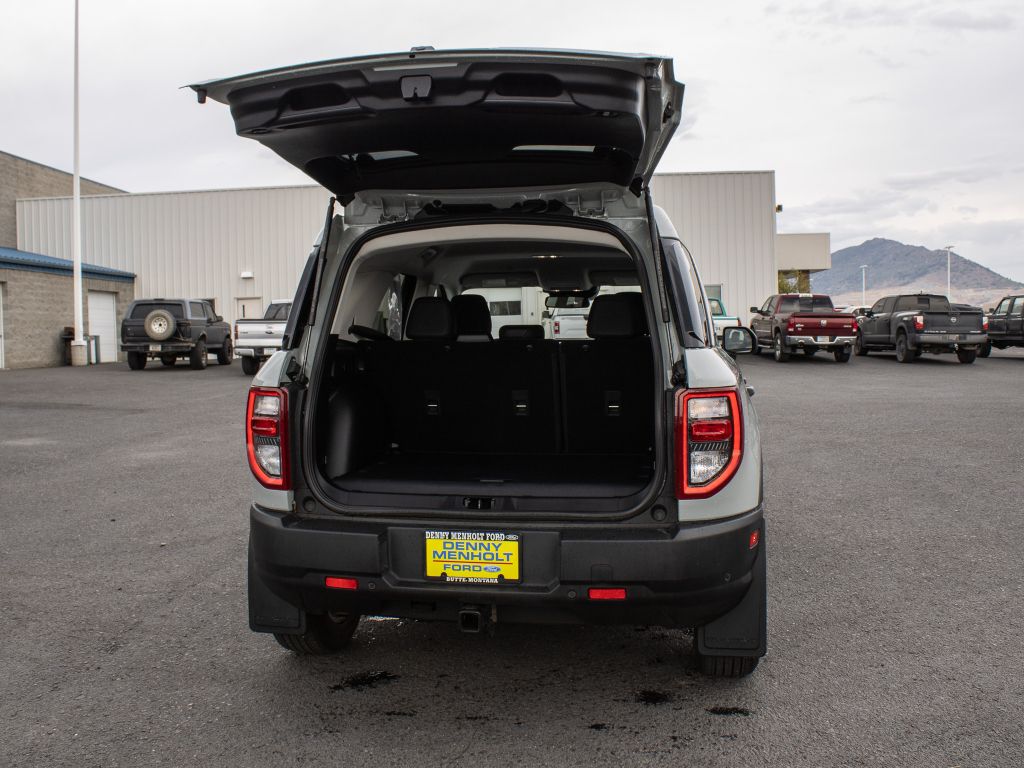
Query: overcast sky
(891, 119)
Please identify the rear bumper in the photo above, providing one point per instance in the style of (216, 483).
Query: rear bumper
(683, 579)
(256, 351)
(834, 342)
(158, 347)
(937, 340)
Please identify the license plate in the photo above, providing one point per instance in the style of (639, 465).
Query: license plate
(472, 557)
(154, 347)
(822, 339)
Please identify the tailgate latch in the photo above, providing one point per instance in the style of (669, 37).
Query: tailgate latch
(416, 87)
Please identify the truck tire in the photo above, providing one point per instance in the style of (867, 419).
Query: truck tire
(159, 325)
(904, 353)
(728, 666)
(966, 356)
(985, 349)
(779, 349)
(168, 360)
(136, 360)
(324, 635)
(250, 365)
(224, 353)
(858, 346)
(197, 357)
(841, 355)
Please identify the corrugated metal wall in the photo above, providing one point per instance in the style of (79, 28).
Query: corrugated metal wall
(727, 221)
(189, 244)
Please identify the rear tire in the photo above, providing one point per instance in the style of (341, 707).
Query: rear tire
(904, 353)
(136, 360)
(858, 346)
(324, 635)
(168, 361)
(728, 666)
(985, 349)
(966, 356)
(250, 365)
(780, 351)
(224, 354)
(841, 355)
(197, 357)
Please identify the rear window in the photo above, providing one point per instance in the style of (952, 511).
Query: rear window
(716, 307)
(805, 304)
(139, 311)
(278, 312)
(922, 304)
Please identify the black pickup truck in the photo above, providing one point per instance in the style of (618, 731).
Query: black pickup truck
(913, 324)
(167, 329)
(1005, 325)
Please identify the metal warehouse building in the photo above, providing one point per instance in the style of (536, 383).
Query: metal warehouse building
(243, 248)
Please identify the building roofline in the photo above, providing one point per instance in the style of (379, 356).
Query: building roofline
(708, 173)
(26, 261)
(61, 170)
(182, 192)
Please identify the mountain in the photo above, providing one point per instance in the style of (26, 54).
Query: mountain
(895, 267)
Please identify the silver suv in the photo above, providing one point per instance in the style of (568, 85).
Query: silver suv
(407, 462)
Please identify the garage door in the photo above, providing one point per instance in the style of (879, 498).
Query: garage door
(103, 323)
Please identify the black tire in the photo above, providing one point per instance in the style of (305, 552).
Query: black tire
(224, 354)
(250, 365)
(985, 349)
(168, 360)
(904, 353)
(136, 360)
(966, 356)
(841, 355)
(810, 351)
(757, 348)
(728, 666)
(778, 349)
(159, 325)
(858, 346)
(197, 357)
(324, 635)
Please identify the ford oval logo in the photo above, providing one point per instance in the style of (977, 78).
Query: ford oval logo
(492, 569)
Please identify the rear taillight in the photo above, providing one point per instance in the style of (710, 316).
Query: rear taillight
(558, 327)
(709, 441)
(918, 322)
(236, 332)
(266, 436)
(984, 323)
(790, 326)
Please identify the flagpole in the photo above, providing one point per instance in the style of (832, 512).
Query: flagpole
(78, 347)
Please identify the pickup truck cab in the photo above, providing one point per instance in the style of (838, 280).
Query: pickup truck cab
(915, 323)
(168, 329)
(1005, 325)
(788, 322)
(443, 474)
(257, 339)
(721, 317)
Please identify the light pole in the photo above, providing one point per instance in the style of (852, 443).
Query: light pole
(949, 272)
(863, 284)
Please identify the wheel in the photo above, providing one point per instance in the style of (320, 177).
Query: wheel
(985, 349)
(904, 353)
(224, 354)
(250, 365)
(168, 360)
(810, 351)
(197, 357)
(858, 346)
(781, 353)
(324, 635)
(136, 360)
(841, 355)
(159, 325)
(756, 349)
(966, 356)
(728, 666)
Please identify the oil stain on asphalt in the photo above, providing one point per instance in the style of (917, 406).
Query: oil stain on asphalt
(364, 680)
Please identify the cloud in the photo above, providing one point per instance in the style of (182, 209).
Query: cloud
(844, 14)
(963, 175)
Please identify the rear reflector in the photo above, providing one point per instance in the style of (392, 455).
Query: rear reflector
(755, 538)
(606, 593)
(337, 582)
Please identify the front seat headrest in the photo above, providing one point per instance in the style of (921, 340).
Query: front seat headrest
(617, 316)
(472, 317)
(430, 318)
(521, 332)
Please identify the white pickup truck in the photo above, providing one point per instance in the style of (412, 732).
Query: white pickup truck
(256, 340)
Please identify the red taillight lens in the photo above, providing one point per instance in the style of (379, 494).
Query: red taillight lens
(266, 436)
(558, 327)
(236, 333)
(755, 538)
(338, 582)
(984, 323)
(918, 322)
(606, 593)
(709, 441)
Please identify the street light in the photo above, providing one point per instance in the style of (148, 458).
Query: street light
(949, 272)
(863, 284)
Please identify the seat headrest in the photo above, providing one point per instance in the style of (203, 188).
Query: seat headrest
(617, 316)
(430, 318)
(521, 332)
(472, 316)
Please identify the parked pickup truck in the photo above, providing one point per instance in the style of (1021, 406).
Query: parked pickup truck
(791, 321)
(1005, 325)
(721, 318)
(913, 324)
(167, 329)
(256, 340)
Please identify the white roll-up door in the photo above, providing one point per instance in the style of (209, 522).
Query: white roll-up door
(103, 323)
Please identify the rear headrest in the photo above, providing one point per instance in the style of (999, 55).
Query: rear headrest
(472, 316)
(521, 332)
(430, 318)
(617, 316)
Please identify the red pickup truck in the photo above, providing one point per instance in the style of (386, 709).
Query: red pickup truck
(790, 321)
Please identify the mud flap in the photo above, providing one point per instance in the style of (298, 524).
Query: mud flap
(267, 611)
(743, 631)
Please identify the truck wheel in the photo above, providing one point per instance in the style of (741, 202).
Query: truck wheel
(250, 365)
(985, 349)
(781, 353)
(841, 355)
(858, 346)
(728, 666)
(136, 360)
(966, 356)
(324, 635)
(224, 354)
(197, 357)
(904, 353)
(168, 360)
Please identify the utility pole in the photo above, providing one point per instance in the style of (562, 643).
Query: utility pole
(78, 348)
(949, 273)
(863, 284)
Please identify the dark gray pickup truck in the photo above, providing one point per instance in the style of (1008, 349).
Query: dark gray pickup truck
(167, 329)
(1005, 325)
(913, 324)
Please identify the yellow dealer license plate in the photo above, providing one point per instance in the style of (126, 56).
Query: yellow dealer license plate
(472, 557)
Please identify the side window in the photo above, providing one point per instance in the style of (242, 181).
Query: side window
(877, 306)
(1018, 306)
(389, 311)
(195, 309)
(713, 292)
(210, 314)
(1003, 307)
(767, 306)
(688, 296)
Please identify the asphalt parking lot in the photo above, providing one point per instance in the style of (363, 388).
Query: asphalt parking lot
(896, 595)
